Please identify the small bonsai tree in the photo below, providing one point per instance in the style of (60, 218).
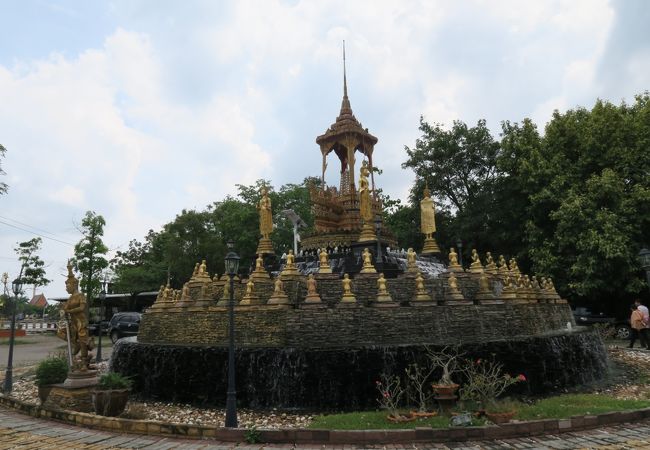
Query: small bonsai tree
(113, 381)
(448, 359)
(51, 370)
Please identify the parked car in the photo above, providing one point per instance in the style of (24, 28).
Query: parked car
(93, 328)
(586, 316)
(124, 324)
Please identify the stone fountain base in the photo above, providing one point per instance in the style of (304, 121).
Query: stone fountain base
(341, 378)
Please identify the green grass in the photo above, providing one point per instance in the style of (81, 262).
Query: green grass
(559, 407)
(564, 406)
(375, 420)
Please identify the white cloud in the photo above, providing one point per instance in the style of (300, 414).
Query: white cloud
(176, 106)
(68, 195)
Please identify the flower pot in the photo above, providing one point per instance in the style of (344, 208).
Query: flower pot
(44, 392)
(110, 403)
(500, 417)
(445, 390)
(399, 418)
(419, 414)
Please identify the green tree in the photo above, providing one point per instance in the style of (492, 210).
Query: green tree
(3, 186)
(196, 235)
(589, 187)
(142, 267)
(89, 254)
(34, 267)
(461, 168)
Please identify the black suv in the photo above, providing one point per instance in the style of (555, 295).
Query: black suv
(586, 316)
(124, 324)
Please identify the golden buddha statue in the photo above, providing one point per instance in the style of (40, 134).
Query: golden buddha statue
(476, 266)
(367, 262)
(383, 295)
(365, 205)
(453, 261)
(348, 296)
(324, 262)
(312, 293)
(266, 223)
(411, 258)
(428, 223)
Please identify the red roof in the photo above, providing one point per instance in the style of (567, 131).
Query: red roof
(38, 300)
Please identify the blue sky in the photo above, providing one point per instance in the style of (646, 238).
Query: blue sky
(138, 109)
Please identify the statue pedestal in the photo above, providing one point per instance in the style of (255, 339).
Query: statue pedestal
(367, 233)
(265, 247)
(260, 275)
(71, 398)
(313, 300)
(384, 300)
(421, 297)
(77, 379)
(430, 247)
(279, 299)
(348, 300)
(250, 300)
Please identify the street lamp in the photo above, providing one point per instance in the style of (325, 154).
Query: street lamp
(459, 244)
(17, 288)
(378, 224)
(102, 299)
(232, 264)
(644, 259)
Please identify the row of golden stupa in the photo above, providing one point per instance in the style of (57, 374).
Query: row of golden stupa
(343, 217)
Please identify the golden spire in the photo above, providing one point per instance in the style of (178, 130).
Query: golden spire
(345, 104)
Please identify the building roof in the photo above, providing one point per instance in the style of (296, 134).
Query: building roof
(38, 300)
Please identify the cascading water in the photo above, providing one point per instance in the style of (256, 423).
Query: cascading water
(341, 378)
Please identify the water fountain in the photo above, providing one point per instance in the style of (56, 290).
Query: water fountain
(321, 342)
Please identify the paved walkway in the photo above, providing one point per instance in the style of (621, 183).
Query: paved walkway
(23, 432)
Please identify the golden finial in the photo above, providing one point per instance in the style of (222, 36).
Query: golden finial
(345, 81)
(345, 104)
(70, 273)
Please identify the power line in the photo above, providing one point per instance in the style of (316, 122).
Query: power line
(37, 234)
(27, 225)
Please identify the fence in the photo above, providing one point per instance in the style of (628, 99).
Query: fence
(31, 326)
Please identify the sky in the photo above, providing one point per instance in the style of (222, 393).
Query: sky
(138, 109)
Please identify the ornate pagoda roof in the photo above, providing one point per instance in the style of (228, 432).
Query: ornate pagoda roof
(345, 123)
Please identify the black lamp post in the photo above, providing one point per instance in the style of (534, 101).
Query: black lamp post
(102, 299)
(644, 259)
(232, 264)
(17, 288)
(378, 224)
(459, 244)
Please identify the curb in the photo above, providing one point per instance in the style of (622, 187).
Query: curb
(314, 436)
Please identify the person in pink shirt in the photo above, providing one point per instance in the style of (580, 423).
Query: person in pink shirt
(645, 331)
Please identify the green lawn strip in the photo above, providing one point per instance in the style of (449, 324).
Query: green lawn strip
(374, 420)
(559, 407)
(564, 406)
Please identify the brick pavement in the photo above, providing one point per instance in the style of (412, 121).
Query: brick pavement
(24, 432)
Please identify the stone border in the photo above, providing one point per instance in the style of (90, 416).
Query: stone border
(309, 436)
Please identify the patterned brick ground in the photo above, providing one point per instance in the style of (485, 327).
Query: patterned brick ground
(23, 432)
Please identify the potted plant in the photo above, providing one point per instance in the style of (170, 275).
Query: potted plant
(448, 359)
(52, 370)
(111, 395)
(485, 383)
